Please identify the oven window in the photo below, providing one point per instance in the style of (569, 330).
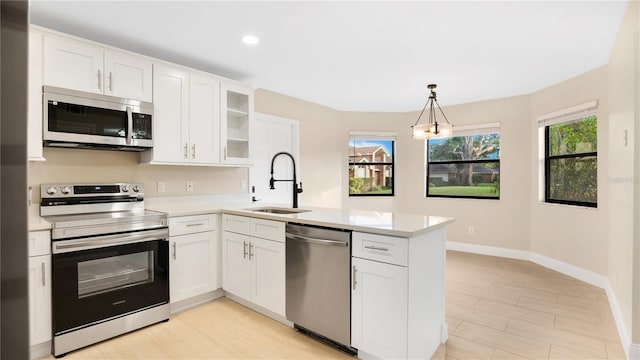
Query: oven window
(114, 273)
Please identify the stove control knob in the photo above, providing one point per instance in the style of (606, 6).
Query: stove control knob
(136, 188)
(51, 190)
(65, 190)
(125, 188)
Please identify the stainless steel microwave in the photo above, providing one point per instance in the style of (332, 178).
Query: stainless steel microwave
(86, 120)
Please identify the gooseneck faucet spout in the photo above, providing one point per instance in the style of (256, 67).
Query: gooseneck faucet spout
(296, 189)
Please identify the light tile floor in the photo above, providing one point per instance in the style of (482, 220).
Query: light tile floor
(496, 309)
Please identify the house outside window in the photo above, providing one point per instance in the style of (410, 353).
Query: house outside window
(466, 165)
(370, 162)
(571, 156)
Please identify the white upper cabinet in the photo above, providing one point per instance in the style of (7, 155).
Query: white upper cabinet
(204, 119)
(77, 65)
(127, 76)
(170, 115)
(235, 124)
(34, 98)
(186, 117)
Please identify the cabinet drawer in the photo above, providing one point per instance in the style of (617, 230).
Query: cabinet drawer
(192, 224)
(388, 249)
(236, 224)
(39, 243)
(268, 229)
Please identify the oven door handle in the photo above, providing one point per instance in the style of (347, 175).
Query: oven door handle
(65, 246)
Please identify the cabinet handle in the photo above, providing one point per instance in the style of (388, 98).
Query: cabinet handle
(193, 151)
(174, 250)
(30, 196)
(110, 82)
(250, 251)
(225, 153)
(44, 281)
(380, 248)
(186, 148)
(355, 272)
(99, 80)
(244, 248)
(198, 224)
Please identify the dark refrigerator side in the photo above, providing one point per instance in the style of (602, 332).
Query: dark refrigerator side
(14, 310)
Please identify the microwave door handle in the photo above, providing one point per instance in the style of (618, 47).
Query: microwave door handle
(129, 126)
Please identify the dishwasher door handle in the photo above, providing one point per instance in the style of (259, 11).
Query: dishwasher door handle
(316, 241)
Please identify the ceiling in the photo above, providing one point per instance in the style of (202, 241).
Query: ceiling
(360, 56)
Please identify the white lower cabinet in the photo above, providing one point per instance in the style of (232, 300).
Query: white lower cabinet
(397, 296)
(253, 268)
(39, 287)
(379, 308)
(193, 256)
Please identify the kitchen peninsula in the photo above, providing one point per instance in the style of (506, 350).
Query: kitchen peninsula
(397, 263)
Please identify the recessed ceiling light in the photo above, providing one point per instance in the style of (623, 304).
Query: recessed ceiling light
(250, 39)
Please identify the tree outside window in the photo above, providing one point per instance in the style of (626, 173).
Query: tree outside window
(571, 162)
(464, 167)
(370, 167)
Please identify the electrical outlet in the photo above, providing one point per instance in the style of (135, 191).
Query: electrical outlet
(243, 184)
(189, 186)
(161, 187)
(471, 230)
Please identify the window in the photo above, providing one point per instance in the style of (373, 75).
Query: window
(568, 156)
(465, 166)
(371, 164)
(571, 162)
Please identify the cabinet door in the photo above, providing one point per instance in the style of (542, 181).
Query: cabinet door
(39, 299)
(127, 76)
(73, 64)
(170, 115)
(193, 265)
(379, 308)
(236, 268)
(235, 123)
(204, 119)
(34, 110)
(268, 274)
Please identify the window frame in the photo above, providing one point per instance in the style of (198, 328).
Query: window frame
(477, 130)
(547, 166)
(373, 137)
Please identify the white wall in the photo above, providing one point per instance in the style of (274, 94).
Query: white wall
(623, 170)
(574, 235)
(323, 147)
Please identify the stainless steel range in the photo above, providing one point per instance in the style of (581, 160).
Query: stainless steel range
(110, 261)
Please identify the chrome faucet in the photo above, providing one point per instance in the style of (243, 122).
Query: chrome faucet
(296, 189)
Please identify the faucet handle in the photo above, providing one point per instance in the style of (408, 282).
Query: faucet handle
(300, 188)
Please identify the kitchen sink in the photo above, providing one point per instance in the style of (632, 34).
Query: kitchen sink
(279, 210)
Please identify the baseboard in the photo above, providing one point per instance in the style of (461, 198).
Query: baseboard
(575, 272)
(40, 351)
(187, 304)
(257, 308)
(625, 339)
(632, 351)
(488, 250)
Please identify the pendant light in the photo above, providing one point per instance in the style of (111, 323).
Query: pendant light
(432, 129)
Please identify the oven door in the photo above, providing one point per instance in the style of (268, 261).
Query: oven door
(101, 278)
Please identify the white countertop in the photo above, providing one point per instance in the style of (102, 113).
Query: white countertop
(379, 222)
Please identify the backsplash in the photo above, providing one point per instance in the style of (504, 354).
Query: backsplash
(94, 166)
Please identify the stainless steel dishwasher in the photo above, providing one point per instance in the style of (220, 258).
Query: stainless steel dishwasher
(318, 282)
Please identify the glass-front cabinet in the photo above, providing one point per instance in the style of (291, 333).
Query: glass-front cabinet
(236, 117)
